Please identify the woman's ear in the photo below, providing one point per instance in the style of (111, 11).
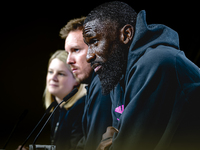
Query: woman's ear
(126, 33)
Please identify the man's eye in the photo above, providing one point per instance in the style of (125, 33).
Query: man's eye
(76, 50)
(94, 41)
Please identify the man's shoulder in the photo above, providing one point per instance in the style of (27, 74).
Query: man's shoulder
(94, 95)
(94, 89)
(155, 61)
(159, 56)
(95, 83)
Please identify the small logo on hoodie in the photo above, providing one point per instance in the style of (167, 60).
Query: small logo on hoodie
(119, 110)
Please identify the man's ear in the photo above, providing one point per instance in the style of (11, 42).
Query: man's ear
(126, 33)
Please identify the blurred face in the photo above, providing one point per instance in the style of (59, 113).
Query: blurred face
(60, 81)
(77, 51)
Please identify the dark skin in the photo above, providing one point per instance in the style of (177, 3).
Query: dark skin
(100, 36)
(104, 40)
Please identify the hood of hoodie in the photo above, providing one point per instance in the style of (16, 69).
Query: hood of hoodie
(146, 36)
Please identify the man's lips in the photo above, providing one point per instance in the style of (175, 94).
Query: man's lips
(96, 67)
(74, 69)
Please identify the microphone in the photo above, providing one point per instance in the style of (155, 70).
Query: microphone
(53, 104)
(72, 93)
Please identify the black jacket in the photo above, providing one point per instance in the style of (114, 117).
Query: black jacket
(69, 130)
(97, 115)
(156, 103)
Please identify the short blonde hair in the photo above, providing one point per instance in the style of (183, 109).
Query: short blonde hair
(48, 97)
(72, 25)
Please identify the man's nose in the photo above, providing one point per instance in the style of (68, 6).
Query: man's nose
(90, 57)
(70, 59)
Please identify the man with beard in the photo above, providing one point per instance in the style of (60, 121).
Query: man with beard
(154, 88)
(97, 111)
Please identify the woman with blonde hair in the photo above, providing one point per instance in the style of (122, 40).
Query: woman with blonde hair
(66, 122)
(66, 129)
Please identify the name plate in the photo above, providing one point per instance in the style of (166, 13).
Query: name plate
(42, 147)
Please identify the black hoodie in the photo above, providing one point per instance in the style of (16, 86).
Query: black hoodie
(97, 115)
(155, 105)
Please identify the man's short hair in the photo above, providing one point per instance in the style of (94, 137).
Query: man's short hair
(72, 25)
(117, 12)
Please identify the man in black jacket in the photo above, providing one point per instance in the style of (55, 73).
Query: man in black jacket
(154, 88)
(97, 111)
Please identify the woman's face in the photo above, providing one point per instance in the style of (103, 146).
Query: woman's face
(60, 80)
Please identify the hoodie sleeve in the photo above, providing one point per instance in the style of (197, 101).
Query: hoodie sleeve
(156, 105)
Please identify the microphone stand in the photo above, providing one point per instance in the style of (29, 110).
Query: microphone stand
(46, 122)
(46, 112)
(72, 93)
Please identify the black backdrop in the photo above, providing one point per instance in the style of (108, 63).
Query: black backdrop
(29, 33)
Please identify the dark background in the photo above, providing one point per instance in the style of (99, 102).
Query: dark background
(29, 33)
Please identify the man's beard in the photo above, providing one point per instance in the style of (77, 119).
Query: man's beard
(112, 69)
